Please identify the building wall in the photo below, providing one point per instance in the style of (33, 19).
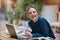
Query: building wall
(49, 12)
(52, 2)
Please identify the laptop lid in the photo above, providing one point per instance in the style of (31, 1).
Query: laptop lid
(11, 30)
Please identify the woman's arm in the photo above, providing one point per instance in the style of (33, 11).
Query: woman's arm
(47, 28)
(37, 35)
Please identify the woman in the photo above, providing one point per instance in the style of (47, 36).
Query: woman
(40, 27)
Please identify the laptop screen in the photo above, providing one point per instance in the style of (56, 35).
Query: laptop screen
(11, 30)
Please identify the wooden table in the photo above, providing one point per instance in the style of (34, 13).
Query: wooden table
(5, 37)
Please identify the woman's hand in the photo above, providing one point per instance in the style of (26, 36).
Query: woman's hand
(28, 33)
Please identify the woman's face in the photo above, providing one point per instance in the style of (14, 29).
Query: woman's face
(32, 13)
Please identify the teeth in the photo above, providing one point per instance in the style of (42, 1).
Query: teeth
(32, 16)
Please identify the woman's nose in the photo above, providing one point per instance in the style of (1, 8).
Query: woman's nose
(32, 13)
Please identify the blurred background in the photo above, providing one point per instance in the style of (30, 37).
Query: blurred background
(15, 12)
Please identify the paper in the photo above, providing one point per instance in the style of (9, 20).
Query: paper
(42, 38)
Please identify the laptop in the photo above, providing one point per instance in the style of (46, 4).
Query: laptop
(11, 30)
(15, 34)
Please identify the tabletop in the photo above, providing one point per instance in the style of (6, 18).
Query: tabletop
(6, 37)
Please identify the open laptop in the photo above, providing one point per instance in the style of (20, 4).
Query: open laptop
(13, 32)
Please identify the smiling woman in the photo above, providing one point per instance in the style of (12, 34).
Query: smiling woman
(39, 25)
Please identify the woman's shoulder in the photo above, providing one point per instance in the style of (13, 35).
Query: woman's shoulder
(42, 19)
(30, 21)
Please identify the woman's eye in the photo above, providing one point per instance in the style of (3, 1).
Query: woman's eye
(30, 13)
(33, 11)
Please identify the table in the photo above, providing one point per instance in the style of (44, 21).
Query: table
(5, 37)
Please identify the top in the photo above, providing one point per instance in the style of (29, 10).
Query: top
(41, 28)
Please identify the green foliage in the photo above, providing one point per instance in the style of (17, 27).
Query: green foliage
(17, 13)
(10, 16)
(37, 3)
(14, 15)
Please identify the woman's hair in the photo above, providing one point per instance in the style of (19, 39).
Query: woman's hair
(31, 6)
